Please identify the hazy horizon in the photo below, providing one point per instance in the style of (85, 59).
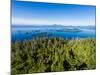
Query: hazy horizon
(53, 25)
(37, 13)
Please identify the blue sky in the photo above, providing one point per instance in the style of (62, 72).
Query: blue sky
(37, 13)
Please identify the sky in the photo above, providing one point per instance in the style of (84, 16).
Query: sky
(38, 13)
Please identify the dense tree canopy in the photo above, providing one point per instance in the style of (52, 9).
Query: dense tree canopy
(52, 55)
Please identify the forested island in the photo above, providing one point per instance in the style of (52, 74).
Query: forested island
(52, 55)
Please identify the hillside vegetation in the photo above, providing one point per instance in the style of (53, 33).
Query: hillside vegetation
(52, 55)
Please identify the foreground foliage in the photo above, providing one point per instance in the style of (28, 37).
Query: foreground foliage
(52, 55)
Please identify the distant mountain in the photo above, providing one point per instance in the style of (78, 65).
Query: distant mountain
(87, 27)
(55, 25)
(37, 25)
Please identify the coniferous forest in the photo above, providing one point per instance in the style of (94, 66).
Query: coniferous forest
(52, 55)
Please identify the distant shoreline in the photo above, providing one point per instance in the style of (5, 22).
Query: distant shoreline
(52, 26)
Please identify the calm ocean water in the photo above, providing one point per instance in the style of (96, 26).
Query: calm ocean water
(24, 33)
